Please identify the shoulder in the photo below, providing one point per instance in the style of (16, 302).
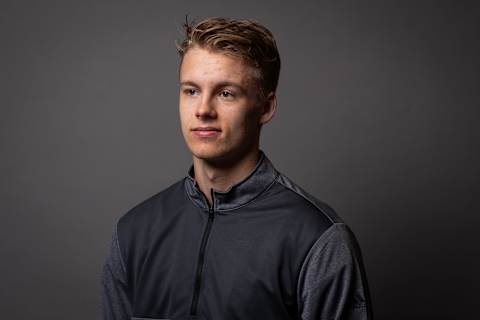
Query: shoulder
(333, 235)
(136, 224)
(309, 206)
(147, 209)
(133, 228)
(338, 238)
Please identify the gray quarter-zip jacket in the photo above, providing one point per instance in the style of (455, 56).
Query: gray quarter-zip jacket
(265, 249)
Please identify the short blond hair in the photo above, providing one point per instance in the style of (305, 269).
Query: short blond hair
(246, 39)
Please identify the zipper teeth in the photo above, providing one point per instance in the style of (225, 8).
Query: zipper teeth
(201, 256)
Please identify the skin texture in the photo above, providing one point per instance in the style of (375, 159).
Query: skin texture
(221, 91)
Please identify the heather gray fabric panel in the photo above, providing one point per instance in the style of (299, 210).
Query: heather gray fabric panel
(331, 282)
(115, 301)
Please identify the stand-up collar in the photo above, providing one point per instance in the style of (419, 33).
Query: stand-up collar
(239, 193)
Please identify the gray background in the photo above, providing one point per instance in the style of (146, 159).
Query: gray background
(378, 113)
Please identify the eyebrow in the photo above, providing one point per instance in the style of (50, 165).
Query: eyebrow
(218, 85)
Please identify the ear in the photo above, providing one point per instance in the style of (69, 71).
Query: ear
(269, 107)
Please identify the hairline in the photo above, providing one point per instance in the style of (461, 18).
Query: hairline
(257, 72)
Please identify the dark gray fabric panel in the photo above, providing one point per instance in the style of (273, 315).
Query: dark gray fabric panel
(320, 205)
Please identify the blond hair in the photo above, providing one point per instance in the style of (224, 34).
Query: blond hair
(246, 39)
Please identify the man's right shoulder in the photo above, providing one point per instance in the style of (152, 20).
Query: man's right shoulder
(146, 212)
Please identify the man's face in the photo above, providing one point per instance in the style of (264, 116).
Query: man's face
(220, 113)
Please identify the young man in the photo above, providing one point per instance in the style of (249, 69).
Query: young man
(235, 238)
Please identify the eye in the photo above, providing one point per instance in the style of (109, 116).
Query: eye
(226, 94)
(190, 91)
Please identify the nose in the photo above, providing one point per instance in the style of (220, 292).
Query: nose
(206, 108)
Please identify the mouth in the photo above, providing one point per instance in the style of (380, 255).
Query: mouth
(206, 131)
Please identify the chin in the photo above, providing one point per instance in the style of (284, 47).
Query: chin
(207, 152)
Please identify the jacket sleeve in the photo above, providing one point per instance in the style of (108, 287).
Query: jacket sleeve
(115, 296)
(332, 282)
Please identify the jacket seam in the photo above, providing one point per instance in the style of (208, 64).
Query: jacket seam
(193, 201)
(254, 198)
(220, 211)
(308, 199)
(359, 305)
(310, 253)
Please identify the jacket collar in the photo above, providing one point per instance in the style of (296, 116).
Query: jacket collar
(240, 193)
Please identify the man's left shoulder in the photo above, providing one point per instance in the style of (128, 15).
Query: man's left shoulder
(306, 209)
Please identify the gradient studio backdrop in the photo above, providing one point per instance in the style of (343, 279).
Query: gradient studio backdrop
(378, 116)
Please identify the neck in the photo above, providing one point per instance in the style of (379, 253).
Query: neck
(221, 176)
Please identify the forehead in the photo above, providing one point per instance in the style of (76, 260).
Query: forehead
(203, 65)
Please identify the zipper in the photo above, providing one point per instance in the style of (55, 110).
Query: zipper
(201, 256)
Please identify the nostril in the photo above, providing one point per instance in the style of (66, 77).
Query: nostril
(206, 112)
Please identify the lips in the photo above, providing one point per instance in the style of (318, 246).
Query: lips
(206, 132)
(205, 129)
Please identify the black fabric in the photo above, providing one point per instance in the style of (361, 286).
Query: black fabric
(260, 259)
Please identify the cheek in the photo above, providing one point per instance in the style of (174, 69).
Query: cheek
(184, 122)
(183, 112)
(243, 122)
